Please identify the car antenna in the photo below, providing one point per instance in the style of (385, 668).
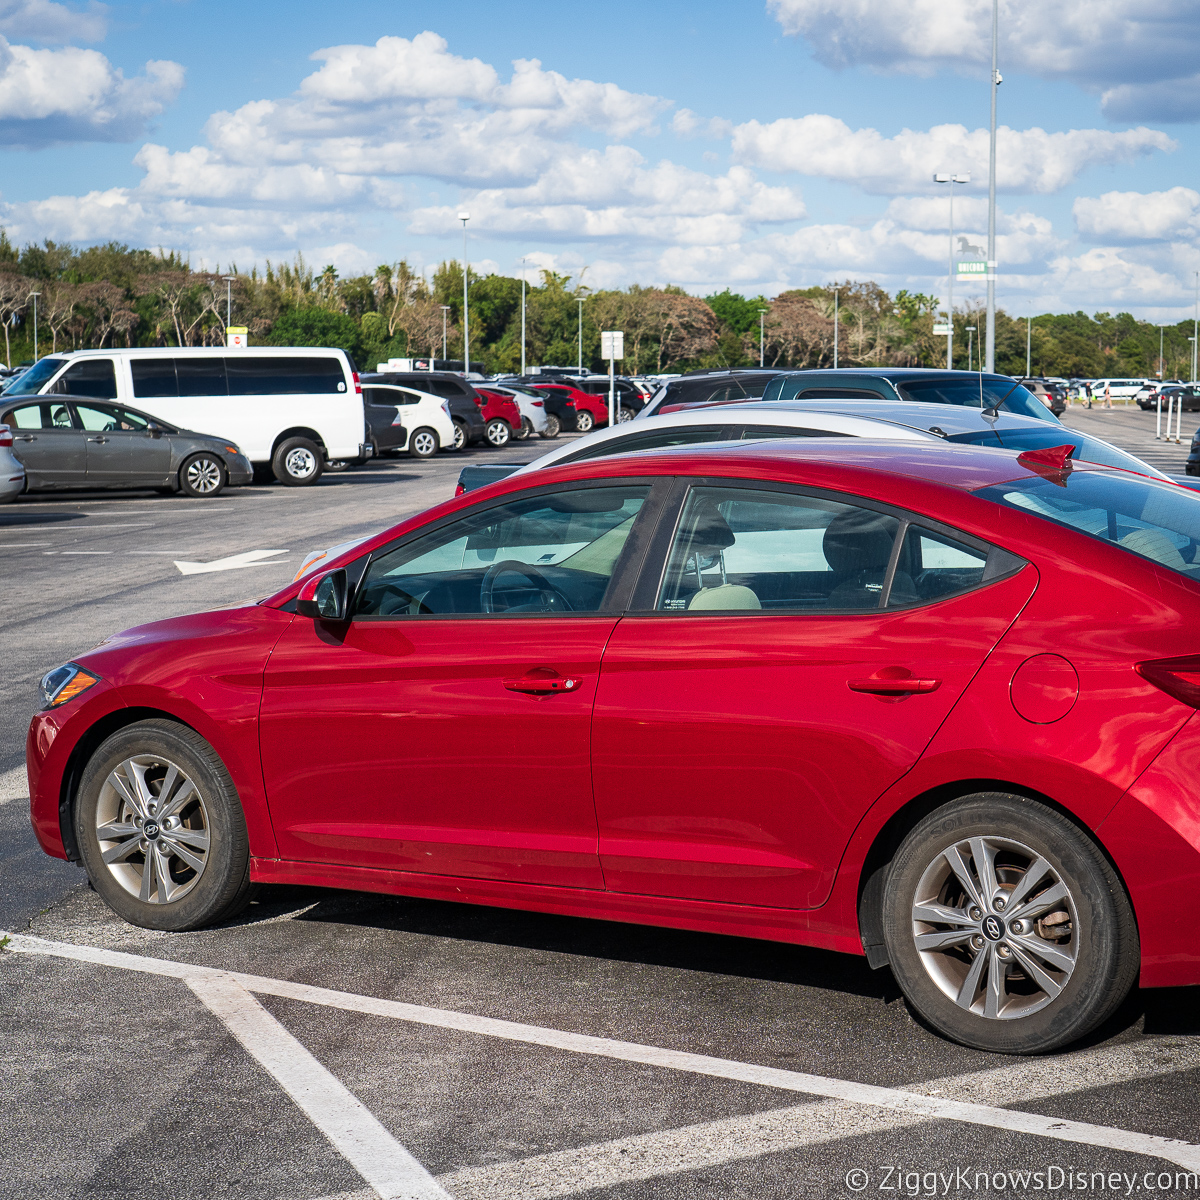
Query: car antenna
(993, 411)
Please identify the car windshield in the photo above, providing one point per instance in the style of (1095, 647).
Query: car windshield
(1154, 520)
(31, 382)
(1087, 449)
(970, 392)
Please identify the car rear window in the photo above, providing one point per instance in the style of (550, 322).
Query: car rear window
(976, 393)
(1157, 521)
(1087, 449)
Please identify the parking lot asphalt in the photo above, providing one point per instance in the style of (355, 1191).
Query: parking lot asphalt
(337, 1044)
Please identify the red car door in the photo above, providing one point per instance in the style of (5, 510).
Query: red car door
(446, 727)
(744, 725)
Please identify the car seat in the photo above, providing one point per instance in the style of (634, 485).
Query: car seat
(858, 546)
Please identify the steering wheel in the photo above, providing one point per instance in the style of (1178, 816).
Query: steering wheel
(549, 592)
(413, 605)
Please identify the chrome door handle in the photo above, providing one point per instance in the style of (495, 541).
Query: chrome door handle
(25, 437)
(894, 687)
(98, 439)
(546, 686)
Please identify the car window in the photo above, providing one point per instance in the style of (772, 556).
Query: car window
(750, 550)
(1157, 521)
(28, 416)
(31, 381)
(153, 377)
(1087, 449)
(977, 393)
(93, 377)
(689, 436)
(787, 431)
(251, 375)
(109, 419)
(932, 565)
(60, 417)
(550, 554)
(202, 376)
(835, 393)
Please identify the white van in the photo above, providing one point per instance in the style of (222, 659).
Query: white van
(295, 408)
(1119, 389)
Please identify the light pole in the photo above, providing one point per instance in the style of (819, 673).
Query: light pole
(970, 342)
(33, 296)
(1196, 327)
(762, 336)
(445, 309)
(951, 180)
(228, 298)
(580, 303)
(991, 251)
(464, 217)
(1195, 342)
(522, 316)
(1160, 352)
(835, 327)
(1028, 345)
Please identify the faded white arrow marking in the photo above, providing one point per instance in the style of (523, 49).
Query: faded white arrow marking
(249, 558)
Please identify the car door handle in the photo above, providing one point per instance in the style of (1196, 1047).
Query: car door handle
(98, 439)
(544, 685)
(25, 437)
(894, 687)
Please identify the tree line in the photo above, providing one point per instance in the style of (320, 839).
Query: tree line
(113, 295)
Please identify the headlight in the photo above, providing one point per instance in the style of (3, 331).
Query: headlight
(65, 683)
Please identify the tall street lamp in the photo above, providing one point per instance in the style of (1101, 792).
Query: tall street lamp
(991, 250)
(445, 309)
(464, 217)
(762, 337)
(522, 316)
(835, 327)
(951, 180)
(970, 342)
(1160, 352)
(228, 298)
(33, 296)
(580, 303)
(1196, 327)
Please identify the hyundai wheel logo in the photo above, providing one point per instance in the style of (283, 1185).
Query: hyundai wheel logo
(993, 928)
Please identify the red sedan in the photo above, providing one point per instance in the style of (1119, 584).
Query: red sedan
(932, 705)
(590, 411)
(501, 415)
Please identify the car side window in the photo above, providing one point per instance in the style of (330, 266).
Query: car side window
(97, 420)
(786, 431)
(751, 550)
(690, 435)
(60, 417)
(550, 554)
(402, 396)
(932, 565)
(94, 377)
(28, 416)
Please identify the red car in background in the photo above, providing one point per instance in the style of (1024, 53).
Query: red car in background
(933, 704)
(590, 411)
(501, 416)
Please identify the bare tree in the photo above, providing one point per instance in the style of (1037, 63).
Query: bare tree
(109, 310)
(58, 307)
(798, 334)
(14, 295)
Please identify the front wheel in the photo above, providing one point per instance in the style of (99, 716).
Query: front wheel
(297, 462)
(423, 443)
(584, 421)
(161, 830)
(553, 427)
(1006, 927)
(202, 475)
(498, 432)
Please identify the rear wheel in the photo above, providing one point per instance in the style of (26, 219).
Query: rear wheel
(553, 427)
(202, 475)
(626, 414)
(498, 432)
(460, 435)
(1006, 927)
(525, 430)
(297, 462)
(161, 829)
(423, 443)
(584, 421)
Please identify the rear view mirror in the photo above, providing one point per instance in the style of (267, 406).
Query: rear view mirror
(324, 596)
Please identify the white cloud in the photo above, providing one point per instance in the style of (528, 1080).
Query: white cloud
(67, 95)
(1127, 217)
(1028, 160)
(1140, 54)
(45, 21)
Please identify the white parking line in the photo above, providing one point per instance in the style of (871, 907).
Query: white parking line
(331, 1107)
(913, 1104)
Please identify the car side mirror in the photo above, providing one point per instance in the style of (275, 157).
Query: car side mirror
(324, 597)
(154, 430)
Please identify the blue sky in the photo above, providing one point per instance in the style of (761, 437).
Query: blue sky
(756, 144)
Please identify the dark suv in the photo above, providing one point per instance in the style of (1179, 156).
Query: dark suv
(708, 387)
(630, 398)
(464, 401)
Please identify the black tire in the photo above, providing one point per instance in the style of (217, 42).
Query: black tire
(498, 433)
(423, 443)
(553, 427)
(461, 439)
(525, 430)
(584, 421)
(221, 887)
(202, 475)
(626, 414)
(297, 462)
(1085, 946)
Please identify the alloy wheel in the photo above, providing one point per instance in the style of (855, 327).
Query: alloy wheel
(995, 927)
(424, 443)
(203, 476)
(153, 829)
(300, 463)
